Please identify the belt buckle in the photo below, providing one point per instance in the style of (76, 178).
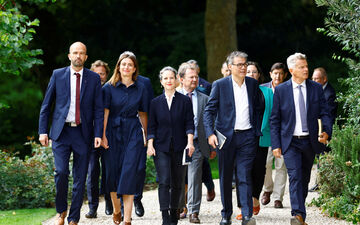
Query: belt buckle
(73, 124)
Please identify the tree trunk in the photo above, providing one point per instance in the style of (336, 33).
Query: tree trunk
(220, 34)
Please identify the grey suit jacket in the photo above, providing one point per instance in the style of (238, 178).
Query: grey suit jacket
(203, 144)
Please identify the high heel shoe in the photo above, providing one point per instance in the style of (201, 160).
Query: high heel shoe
(117, 218)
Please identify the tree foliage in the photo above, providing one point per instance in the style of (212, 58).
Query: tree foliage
(16, 32)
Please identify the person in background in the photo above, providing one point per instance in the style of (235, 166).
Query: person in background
(125, 120)
(225, 69)
(235, 107)
(259, 168)
(171, 131)
(77, 124)
(189, 78)
(298, 104)
(275, 187)
(103, 70)
(204, 86)
(320, 76)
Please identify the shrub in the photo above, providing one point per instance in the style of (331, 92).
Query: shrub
(150, 171)
(27, 183)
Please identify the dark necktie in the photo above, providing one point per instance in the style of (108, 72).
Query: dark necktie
(302, 111)
(77, 99)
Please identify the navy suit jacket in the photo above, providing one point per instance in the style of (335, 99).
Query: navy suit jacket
(221, 106)
(330, 97)
(174, 124)
(282, 120)
(58, 94)
(147, 83)
(204, 86)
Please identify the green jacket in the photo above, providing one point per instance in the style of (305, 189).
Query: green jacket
(265, 140)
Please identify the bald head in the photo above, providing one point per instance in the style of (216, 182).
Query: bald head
(77, 55)
(77, 45)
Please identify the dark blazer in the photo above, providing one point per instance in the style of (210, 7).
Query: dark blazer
(202, 100)
(91, 104)
(330, 97)
(221, 108)
(174, 124)
(204, 86)
(147, 83)
(282, 120)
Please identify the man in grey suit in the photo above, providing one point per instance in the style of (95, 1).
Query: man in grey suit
(189, 79)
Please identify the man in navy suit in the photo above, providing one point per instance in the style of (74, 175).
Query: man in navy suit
(235, 107)
(77, 126)
(298, 104)
(320, 76)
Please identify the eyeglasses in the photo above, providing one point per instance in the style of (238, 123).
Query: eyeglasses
(240, 65)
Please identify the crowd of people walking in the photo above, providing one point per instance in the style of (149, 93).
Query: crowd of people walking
(111, 125)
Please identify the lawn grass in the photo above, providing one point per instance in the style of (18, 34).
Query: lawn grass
(26, 216)
(214, 168)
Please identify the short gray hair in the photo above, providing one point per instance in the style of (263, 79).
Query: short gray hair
(230, 58)
(195, 63)
(184, 66)
(167, 68)
(322, 71)
(291, 60)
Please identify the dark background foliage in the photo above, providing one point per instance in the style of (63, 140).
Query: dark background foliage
(160, 33)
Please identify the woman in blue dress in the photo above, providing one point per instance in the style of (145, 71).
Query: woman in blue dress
(125, 120)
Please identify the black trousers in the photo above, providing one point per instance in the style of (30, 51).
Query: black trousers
(171, 176)
(258, 171)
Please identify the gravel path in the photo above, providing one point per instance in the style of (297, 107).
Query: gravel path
(210, 211)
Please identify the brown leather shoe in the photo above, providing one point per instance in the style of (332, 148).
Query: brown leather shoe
(60, 218)
(194, 218)
(210, 195)
(127, 223)
(297, 220)
(278, 204)
(265, 199)
(73, 223)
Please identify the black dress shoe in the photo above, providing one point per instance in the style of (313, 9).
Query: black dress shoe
(91, 214)
(248, 221)
(225, 221)
(108, 208)
(139, 208)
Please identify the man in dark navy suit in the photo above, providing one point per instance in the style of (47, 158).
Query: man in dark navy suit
(235, 107)
(77, 126)
(320, 76)
(298, 104)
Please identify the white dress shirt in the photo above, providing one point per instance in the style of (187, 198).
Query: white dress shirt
(169, 99)
(71, 115)
(242, 119)
(298, 128)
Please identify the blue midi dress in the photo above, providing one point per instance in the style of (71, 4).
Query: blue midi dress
(125, 138)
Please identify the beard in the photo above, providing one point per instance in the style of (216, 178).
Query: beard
(77, 63)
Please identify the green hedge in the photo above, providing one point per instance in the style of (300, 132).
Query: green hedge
(339, 176)
(27, 183)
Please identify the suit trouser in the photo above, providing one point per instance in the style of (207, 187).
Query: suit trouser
(257, 173)
(171, 175)
(277, 187)
(93, 178)
(241, 153)
(194, 183)
(299, 159)
(70, 141)
(206, 175)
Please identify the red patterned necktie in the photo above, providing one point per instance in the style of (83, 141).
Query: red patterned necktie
(77, 101)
